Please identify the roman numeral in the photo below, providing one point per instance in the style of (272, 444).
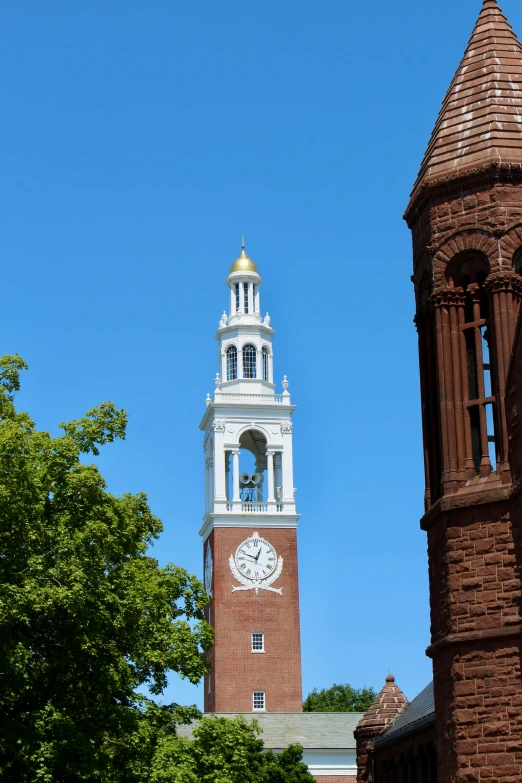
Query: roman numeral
(248, 572)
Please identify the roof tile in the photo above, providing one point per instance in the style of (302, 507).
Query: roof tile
(481, 117)
(385, 708)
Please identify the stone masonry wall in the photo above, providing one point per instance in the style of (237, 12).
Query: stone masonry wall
(474, 530)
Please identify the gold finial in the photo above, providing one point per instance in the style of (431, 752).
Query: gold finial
(243, 263)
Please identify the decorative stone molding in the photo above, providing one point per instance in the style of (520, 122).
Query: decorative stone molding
(218, 426)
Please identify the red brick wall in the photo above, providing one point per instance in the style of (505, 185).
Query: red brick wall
(237, 672)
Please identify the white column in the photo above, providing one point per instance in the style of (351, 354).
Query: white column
(232, 300)
(235, 474)
(218, 472)
(287, 465)
(270, 466)
(278, 475)
(227, 473)
(256, 299)
(251, 304)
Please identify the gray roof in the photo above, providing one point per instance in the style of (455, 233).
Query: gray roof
(418, 713)
(329, 730)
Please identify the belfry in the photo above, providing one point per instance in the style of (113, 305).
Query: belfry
(250, 524)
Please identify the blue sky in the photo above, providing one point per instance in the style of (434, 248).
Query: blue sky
(140, 140)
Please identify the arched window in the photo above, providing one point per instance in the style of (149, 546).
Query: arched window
(249, 361)
(231, 363)
(266, 376)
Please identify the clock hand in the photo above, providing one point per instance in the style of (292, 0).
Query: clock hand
(257, 556)
(250, 556)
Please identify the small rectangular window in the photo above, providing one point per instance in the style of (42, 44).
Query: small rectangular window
(245, 296)
(258, 642)
(259, 701)
(238, 301)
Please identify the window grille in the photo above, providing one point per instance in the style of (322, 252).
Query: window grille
(231, 363)
(245, 296)
(258, 642)
(265, 363)
(237, 298)
(249, 361)
(259, 700)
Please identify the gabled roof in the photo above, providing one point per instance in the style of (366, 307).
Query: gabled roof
(312, 730)
(418, 713)
(385, 708)
(481, 118)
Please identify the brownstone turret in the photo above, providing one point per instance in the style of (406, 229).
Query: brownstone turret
(385, 708)
(465, 215)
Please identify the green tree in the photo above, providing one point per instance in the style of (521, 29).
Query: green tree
(87, 617)
(339, 698)
(225, 751)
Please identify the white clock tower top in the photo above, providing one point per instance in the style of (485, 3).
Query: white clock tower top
(246, 415)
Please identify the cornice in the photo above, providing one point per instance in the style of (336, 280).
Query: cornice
(248, 522)
(486, 494)
(470, 637)
(487, 174)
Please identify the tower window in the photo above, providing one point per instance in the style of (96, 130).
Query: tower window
(238, 300)
(258, 642)
(259, 701)
(245, 296)
(265, 363)
(249, 361)
(231, 363)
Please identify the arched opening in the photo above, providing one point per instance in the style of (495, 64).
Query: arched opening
(231, 363)
(517, 261)
(469, 270)
(252, 466)
(265, 358)
(249, 361)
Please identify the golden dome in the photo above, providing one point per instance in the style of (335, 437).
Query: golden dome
(243, 263)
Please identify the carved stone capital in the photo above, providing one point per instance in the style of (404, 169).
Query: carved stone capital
(286, 426)
(448, 297)
(504, 281)
(218, 426)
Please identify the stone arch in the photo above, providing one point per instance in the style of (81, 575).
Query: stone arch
(478, 240)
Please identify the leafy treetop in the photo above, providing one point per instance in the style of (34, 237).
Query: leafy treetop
(339, 698)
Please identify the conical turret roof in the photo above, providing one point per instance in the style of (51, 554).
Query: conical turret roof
(481, 118)
(385, 708)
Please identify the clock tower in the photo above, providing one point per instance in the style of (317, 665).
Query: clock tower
(250, 524)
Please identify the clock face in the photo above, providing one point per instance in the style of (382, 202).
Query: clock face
(208, 570)
(255, 558)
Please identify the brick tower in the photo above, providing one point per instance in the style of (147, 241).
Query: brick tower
(250, 523)
(465, 215)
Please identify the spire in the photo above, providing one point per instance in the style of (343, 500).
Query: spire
(480, 119)
(385, 708)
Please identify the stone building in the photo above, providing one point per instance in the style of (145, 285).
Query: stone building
(465, 215)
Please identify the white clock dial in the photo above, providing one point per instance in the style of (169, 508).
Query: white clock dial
(255, 558)
(208, 570)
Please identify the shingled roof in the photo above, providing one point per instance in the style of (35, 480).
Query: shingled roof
(481, 118)
(385, 708)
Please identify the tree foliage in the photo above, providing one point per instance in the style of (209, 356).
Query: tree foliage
(87, 617)
(339, 698)
(226, 751)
